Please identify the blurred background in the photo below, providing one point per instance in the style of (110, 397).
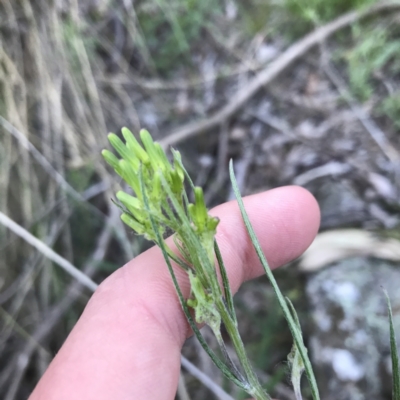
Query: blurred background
(303, 92)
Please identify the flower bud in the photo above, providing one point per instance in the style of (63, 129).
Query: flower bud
(134, 146)
(112, 160)
(150, 148)
(176, 182)
(178, 164)
(198, 211)
(133, 224)
(123, 151)
(131, 203)
(130, 176)
(162, 160)
(157, 191)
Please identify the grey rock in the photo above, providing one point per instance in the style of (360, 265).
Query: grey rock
(349, 342)
(340, 204)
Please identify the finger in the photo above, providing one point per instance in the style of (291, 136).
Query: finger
(127, 342)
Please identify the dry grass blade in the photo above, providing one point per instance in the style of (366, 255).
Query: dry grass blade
(369, 124)
(205, 380)
(48, 252)
(22, 139)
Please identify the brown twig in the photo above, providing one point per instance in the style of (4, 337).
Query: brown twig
(275, 68)
(365, 119)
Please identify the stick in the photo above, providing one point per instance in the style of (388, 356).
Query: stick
(276, 67)
(48, 252)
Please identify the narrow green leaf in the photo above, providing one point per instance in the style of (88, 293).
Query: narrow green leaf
(134, 145)
(175, 258)
(230, 362)
(393, 351)
(282, 302)
(182, 250)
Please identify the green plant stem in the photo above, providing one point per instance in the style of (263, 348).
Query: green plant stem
(160, 242)
(255, 389)
(296, 333)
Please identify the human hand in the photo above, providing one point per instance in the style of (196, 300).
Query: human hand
(127, 343)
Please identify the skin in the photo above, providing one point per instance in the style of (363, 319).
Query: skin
(127, 343)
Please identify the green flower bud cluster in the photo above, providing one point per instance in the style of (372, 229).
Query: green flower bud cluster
(154, 166)
(158, 172)
(152, 178)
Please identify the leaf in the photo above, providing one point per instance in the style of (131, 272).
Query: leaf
(393, 351)
(296, 333)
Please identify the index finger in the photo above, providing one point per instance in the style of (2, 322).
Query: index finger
(127, 342)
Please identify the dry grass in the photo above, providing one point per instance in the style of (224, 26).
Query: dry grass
(57, 104)
(53, 182)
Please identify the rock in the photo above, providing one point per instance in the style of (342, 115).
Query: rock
(340, 204)
(349, 343)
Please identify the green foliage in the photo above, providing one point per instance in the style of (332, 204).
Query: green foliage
(374, 50)
(394, 354)
(256, 15)
(319, 11)
(295, 16)
(171, 28)
(391, 107)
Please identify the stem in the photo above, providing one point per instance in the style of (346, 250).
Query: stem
(255, 389)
